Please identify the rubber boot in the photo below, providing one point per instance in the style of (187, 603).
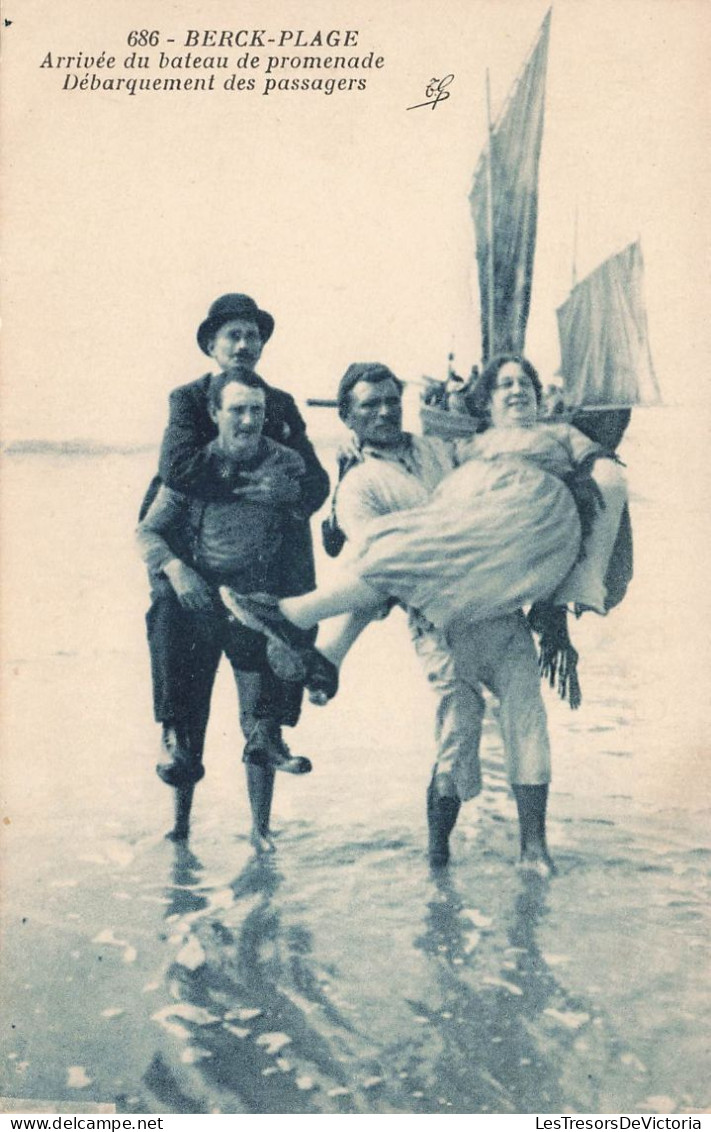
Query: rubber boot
(442, 814)
(531, 802)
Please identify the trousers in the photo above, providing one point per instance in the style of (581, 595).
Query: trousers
(185, 650)
(498, 655)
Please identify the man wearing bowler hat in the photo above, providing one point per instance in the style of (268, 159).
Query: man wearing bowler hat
(233, 334)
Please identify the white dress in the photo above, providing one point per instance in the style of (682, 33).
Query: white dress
(500, 531)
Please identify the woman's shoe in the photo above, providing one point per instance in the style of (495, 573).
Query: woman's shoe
(321, 677)
(288, 660)
(262, 615)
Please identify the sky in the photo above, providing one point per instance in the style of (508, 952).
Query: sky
(345, 215)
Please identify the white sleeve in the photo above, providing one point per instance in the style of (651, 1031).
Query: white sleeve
(358, 503)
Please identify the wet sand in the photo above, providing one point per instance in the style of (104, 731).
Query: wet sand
(339, 974)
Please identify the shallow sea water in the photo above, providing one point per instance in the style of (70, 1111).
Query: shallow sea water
(339, 974)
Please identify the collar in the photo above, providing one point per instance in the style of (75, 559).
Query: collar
(404, 454)
(402, 451)
(218, 373)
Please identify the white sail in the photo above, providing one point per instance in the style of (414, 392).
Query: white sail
(606, 359)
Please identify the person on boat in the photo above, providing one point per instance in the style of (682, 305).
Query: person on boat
(455, 394)
(503, 530)
(433, 393)
(235, 330)
(553, 404)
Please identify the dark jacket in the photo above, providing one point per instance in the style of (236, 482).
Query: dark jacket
(607, 427)
(186, 465)
(229, 542)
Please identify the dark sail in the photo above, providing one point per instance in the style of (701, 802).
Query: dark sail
(605, 355)
(504, 206)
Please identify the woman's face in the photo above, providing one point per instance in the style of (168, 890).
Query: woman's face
(513, 399)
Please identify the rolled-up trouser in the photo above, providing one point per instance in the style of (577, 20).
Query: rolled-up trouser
(459, 712)
(499, 655)
(185, 650)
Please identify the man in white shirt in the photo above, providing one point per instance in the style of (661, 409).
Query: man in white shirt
(397, 469)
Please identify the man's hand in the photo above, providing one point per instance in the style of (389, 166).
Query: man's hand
(348, 451)
(273, 487)
(191, 590)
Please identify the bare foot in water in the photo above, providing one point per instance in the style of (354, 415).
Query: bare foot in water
(262, 842)
(178, 833)
(536, 860)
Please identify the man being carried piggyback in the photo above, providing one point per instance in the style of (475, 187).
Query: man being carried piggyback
(235, 460)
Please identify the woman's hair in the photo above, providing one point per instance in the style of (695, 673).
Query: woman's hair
(239, 375)
(478, 398)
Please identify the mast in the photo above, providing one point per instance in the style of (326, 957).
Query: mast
(504, 204)
(490, 222)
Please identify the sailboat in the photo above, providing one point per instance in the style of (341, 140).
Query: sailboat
(606, 360)
(504, 208)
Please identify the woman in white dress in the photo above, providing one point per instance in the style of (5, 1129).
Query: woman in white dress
(510, 526)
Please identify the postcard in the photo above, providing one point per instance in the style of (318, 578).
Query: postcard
(408, 187)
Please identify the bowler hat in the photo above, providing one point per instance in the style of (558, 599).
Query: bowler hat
(228, 307)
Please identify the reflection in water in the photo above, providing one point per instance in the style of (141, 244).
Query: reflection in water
(512, 1038)
(246, 988)
(321, 949)
(181, 900)
(490, 1058)
(267, 1024)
